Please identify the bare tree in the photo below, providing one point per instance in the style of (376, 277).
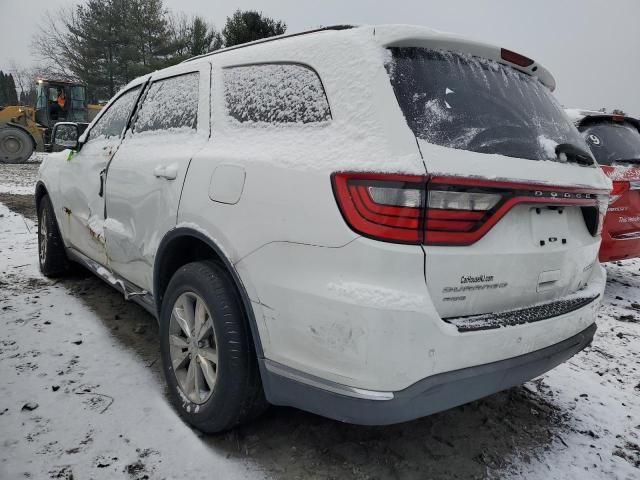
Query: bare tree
(25, 79)
(53, 44)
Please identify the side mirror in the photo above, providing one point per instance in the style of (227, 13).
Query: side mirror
(64, 135)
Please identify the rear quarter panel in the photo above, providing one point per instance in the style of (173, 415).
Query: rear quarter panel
(287, 194)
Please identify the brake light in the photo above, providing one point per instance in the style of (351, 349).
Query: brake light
(515, 58)
(454, 214)
(384, 207)
(619, 189)
(446, 210)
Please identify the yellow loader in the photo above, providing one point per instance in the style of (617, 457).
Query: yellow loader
(25, 129)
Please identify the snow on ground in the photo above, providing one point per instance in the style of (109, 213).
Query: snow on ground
(99, 411)
(88, 361)
(19, 178)
(599, 391)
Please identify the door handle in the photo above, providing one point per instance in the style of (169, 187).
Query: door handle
(170, 172)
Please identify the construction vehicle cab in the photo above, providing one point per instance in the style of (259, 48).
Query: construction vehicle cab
(58, 101)
(24, 129)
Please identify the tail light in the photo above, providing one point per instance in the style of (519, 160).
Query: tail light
(446, 210)
(619, 189)
(384, 207)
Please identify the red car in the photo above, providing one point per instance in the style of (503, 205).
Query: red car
(615, 143)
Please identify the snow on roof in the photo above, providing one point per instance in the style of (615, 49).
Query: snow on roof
(405, 36)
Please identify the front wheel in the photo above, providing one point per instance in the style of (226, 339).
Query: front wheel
(51, 254)
(208, 357)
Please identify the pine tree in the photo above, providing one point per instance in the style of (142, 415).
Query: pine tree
(192, 36)
(12, 93)
(101, 45)
(203, 38)
(151, 36)
(107, 43)
(3, 90)
(247, 26)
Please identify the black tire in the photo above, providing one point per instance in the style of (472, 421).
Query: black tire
(16, 145)
(51, 253)
(237, 395)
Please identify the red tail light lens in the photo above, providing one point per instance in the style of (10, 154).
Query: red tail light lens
(384, 207)
(454, 214)
(445, 211)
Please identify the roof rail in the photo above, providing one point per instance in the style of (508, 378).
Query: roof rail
(271, 39)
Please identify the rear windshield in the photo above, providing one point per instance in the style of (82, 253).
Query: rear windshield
(613, 142)
(465, 102)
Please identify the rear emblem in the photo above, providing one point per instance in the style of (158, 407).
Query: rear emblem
(594, 140)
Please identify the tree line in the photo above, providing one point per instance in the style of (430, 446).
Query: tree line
(8, 94)
(107, 43)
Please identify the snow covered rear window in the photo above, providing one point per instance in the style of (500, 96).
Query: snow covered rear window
(469, 103)
(275, 94)
(170, 104)
(113, 121)
(613, 142)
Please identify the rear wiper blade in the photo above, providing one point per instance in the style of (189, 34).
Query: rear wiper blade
(575, 154)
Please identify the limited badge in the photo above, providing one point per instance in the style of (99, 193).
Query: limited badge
(594, 140)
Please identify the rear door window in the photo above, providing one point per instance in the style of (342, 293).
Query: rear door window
(275, 94)
(612, 142)
(465, 102)
(170, 104)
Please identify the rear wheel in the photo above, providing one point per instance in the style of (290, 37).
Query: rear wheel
(207, 352)
(16, 146)
(51, 254)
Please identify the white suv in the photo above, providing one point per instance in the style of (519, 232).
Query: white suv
(371, 223)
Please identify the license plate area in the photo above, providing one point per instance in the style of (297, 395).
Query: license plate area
(550, 227)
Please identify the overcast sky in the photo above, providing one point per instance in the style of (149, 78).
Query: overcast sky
(591, 46)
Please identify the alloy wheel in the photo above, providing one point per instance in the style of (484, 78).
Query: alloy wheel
(193, 347)
(43, 235)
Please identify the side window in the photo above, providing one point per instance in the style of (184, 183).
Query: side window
(275, 94)
(112, 123)
(170, 104)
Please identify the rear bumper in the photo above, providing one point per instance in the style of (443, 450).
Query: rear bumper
(362, 316)
(284, 386)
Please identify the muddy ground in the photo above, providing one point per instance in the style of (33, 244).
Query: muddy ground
(17, 186)
(473, 441)
(467, 442)
(23, 204)
(520, 432)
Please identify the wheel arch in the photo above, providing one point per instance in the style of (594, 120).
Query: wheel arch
(41, 191)
(184, 245)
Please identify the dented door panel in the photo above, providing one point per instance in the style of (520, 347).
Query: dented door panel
(82, 205)
(145, 178)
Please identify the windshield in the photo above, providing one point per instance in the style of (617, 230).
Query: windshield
(613, 142)
(465, 102)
